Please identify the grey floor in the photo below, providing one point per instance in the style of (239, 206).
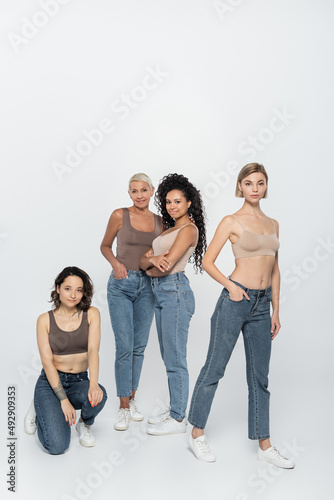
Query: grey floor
(134, 465)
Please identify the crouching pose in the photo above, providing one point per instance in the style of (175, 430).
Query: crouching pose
(68, 339)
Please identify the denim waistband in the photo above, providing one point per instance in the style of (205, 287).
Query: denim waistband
(69, 375)
(250, 291)
(138, 273)
(174, 276)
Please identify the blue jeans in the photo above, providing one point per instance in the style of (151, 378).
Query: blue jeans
(131, 308)
(253, 318)
(53, 431)
(174, 307)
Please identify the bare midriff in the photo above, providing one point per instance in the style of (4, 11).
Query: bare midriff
(71, 363)
(254, 272)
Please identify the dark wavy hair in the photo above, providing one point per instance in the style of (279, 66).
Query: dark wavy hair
(88, 289)
(196, 211)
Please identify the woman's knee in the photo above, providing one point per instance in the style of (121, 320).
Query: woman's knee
(105, 395)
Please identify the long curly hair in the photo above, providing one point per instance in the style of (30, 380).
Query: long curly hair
(196, 211)
(88, 289)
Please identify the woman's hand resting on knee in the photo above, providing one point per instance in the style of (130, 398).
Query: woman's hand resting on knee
(69, 411)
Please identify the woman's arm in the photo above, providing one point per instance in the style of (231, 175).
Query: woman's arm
(114, 225)
(50, 369)
(163, 265)
(222, 234)
(275, 291)
(95, 394)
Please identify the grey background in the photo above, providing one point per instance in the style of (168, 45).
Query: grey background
(229, 68)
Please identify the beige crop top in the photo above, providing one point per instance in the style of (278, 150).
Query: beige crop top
(165, 241)
(63, 342)
(253, 244)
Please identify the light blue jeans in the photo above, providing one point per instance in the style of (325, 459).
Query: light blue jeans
(252, 317)
(53, 431)
(131, 308)
(174, 307)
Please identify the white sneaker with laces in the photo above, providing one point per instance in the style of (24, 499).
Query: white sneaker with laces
(30, 420)
(154, 420)
(86, 437)
(123, 419)
(134, 412)
(273, 456)
(167, 426)
(200, 448)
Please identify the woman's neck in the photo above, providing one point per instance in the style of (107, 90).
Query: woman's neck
(251, 209)
(182, 221)
(67, 311)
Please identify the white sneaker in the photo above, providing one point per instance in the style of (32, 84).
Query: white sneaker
(200, 448)
(273, 456)
(86, 438)
(167, 426)
(30, 420)
(123, 419)
(159, 418)
(134, 412)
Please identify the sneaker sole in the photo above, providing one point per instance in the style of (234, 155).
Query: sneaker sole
(153, 433)
(281, 466)
(137, 419)
(120, 428)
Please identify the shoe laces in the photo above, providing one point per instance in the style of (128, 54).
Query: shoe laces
(132, 403)
(123, 414)
(277, 454)
(86, 430)
(203, 446)
(164, 416)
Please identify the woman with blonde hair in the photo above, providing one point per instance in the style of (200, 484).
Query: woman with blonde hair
(244, 304)
(130, 296)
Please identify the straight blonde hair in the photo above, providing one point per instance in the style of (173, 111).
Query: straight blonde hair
(143, 178)
(247, 170)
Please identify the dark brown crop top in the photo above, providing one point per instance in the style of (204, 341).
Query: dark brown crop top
(62, 342)
(132, 243)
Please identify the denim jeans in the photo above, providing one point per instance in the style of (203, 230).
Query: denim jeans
(253, 318)
(131, 308)
(174, 307)
(53, 431)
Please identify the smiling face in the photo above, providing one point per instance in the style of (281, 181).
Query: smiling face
(176, 204)
(253, 187)
(70, 291)
(140, 193)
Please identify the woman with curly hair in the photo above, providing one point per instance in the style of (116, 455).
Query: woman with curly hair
(180, 205)
(68, 339)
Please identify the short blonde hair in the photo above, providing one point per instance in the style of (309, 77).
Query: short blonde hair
(143, 178)
(247, 170)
